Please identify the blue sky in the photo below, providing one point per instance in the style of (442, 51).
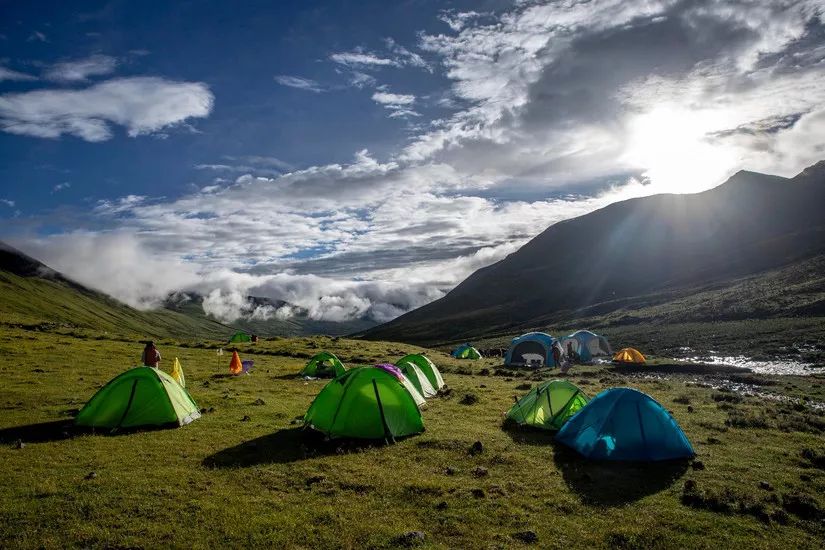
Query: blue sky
(361, 158)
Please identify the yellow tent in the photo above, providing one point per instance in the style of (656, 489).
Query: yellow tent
(177, 373)
(630, 356)
(235, 366)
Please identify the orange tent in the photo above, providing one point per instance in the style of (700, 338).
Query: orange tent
(630, 356)
(235, 366)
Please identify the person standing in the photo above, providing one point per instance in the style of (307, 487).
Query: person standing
(151, 355)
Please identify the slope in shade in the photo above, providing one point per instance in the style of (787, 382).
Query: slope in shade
(323, 365)
(142, 396)
(549, 405)
(625, 424)
(366, 403)
(427, 367)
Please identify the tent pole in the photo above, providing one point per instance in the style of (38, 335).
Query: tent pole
(128, 405)
(381, 410)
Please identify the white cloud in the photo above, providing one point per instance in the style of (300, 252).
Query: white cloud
(143, 105)
(399, 105)
(299, 83)
(362, 59)
(61, 186)
(9, 74)
(7, 202)
(37, 36)
(80, 70)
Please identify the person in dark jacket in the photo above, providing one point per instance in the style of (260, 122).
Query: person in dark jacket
(150, 356)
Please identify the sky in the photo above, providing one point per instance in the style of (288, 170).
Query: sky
(360, 159)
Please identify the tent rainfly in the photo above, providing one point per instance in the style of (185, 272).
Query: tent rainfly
(533, 349)
(240, 337)
(548, 405)
(629, 356)
(466, 351)
(427, 367)
(324, 365)
(586, 344)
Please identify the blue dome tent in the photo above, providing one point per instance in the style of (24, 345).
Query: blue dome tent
(533, 348)
(625, 424)
(587, 344)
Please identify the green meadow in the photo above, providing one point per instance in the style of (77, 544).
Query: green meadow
(247, 474)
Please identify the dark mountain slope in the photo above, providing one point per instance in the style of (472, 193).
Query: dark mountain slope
(751, 223)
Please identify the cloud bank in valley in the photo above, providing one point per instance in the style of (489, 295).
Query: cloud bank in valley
(557, 109)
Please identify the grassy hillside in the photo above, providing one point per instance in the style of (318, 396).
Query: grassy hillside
(53, 303)
(246, 475)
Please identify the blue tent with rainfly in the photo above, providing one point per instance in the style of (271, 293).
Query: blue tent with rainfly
(587, 344)
(534, 349)
(625, 424)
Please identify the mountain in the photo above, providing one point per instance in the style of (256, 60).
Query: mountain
(32, 293)
(662, 245)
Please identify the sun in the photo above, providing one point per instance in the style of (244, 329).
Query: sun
(676, 150)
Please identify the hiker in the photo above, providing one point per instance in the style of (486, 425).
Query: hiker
(556, 356)
(151, 355)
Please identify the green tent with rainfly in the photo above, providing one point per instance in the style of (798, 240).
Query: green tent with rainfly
(240, 336)
(548, 405)
(418, 379)
(142, 396)
(324, 365)
(367, 403)
(466, 351)
(426, 366)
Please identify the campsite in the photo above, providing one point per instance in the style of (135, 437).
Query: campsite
(247, 474)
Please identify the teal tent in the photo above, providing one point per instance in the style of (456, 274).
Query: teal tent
(625, 424)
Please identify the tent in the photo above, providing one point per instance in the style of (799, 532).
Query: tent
(177, 373)
(240, 336)
(410, 387)
(629, 356)
(324, 364)
(533, 348)
(466, 351)
(427, 367)
(418, 379)
(625, 424)
(549, 405)
(366, 402)
(586, 344)
(142, 396)
(235, 365)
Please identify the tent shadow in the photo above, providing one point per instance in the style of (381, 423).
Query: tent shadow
(42, 432)
(608, 483)
(282, 447)
(528, 435)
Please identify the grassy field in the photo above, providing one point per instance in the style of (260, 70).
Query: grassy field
(245, 474)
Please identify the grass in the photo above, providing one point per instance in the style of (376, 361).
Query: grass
(225, 481)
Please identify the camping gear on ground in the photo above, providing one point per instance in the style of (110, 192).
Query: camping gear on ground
(177, 373)
(399, 375)
(466, 351)
(625, 424)
(366, 402)
(427, 367)
(533, 349)
(239, 337)
(246, 365)
(549, 405)
(220, 351)
(629, 356)
(586, 344)
(142, 396)
(235, 365)
(322, 365)
(418, 379)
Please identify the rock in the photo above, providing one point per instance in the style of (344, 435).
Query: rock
(450, 471)
(205, 384)
(482, 385)
(714, 441)
(765, 485)
(210, 410)
(203, 410)
(698, 465)
(527, 537)
(245, 418)
(690, 408)
(259, 402)
(480, 471)
(477, 493)
(690, 486)
(411, 538)
(441, 505)
(91, 475)
(469, 399)
(476, 448)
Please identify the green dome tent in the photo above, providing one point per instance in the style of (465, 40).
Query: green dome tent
(142, 396)
(367, 403)
(466, 351)
(426, 366)
(418, 379)
(548, 405)
(323, 365)
(240, 336)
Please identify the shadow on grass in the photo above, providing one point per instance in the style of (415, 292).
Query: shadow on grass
(528, 435)
(284, 446)
(613, 483)
(39, 433)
